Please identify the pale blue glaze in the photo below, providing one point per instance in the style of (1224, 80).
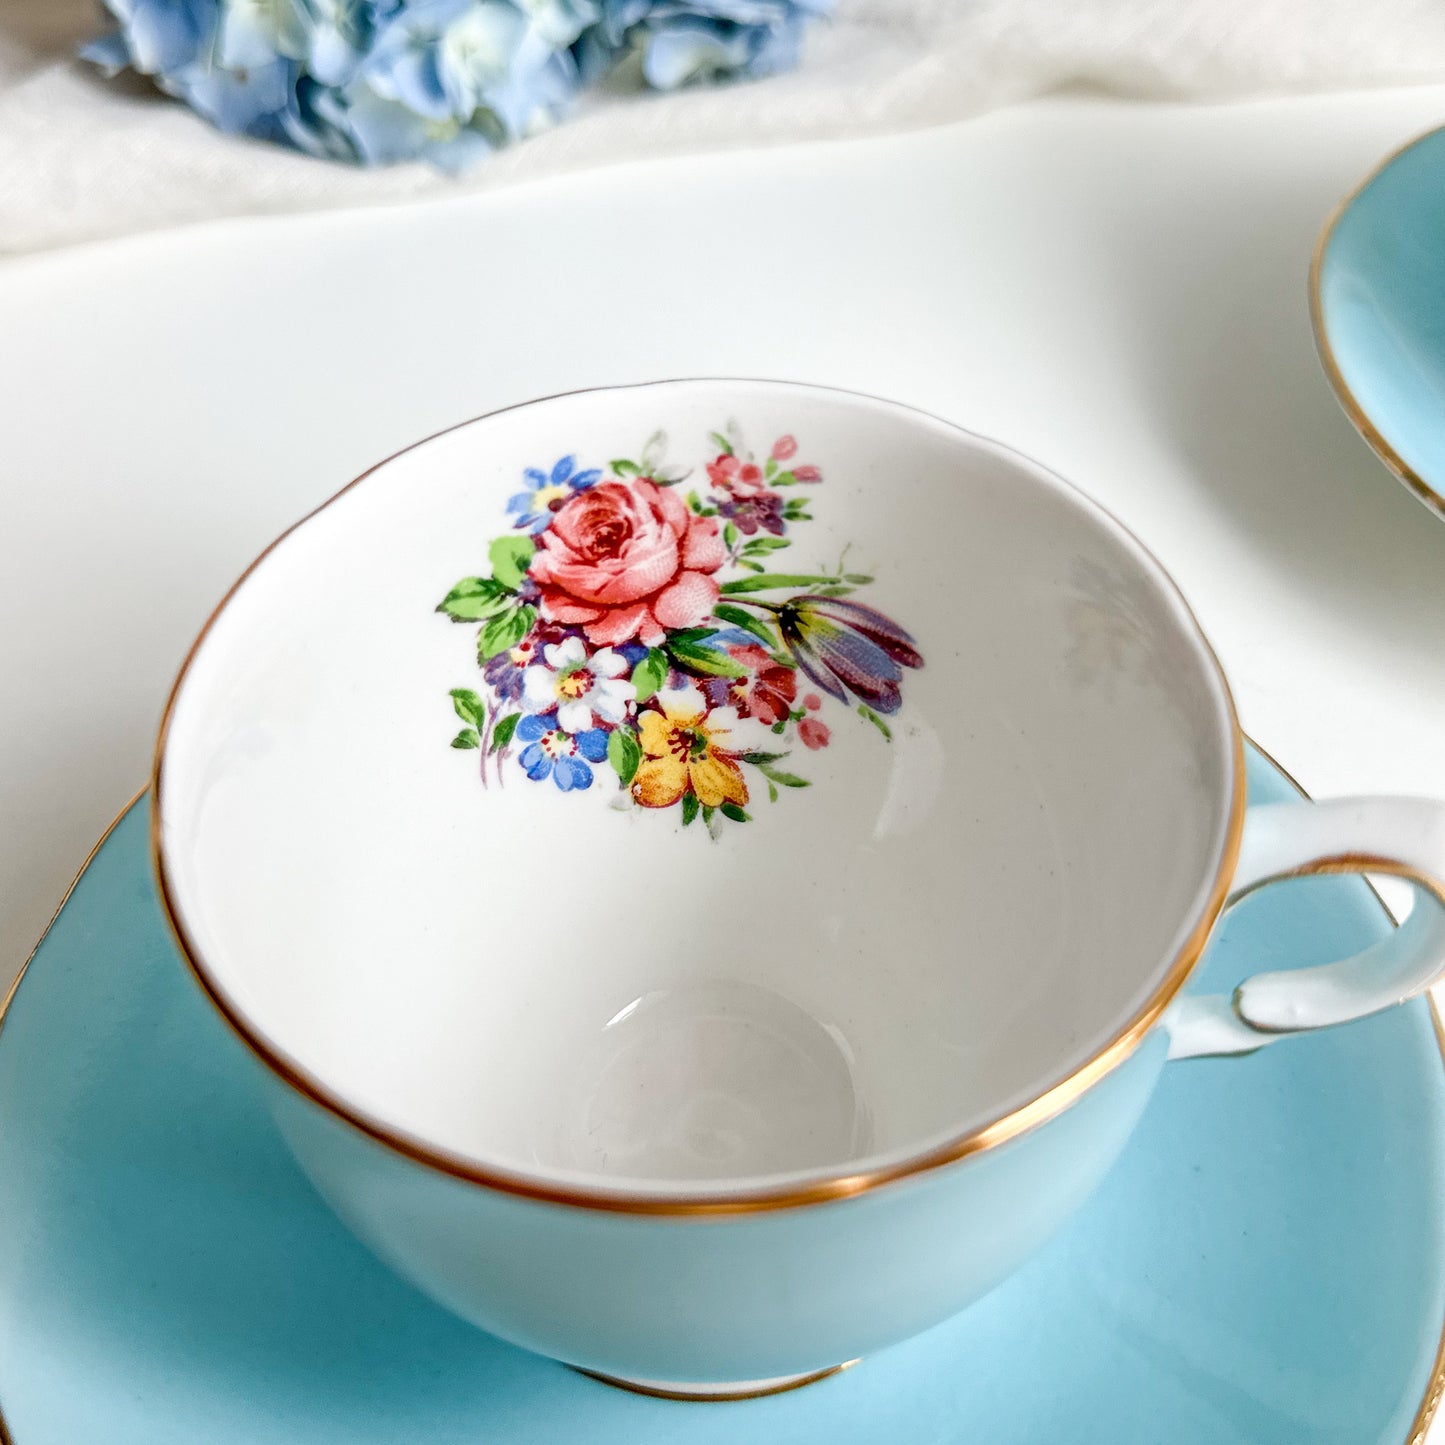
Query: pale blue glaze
(738, 1297)
(1382, 305)
(1266, 1262)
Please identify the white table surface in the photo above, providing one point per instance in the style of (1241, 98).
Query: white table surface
(1117, 289)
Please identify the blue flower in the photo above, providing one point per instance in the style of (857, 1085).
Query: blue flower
(329, 38)
(686, 41)
(362, 80)
(156, 36)
(562, 756)
(451, 79)
(547, 491)
(181, 44)
(376, 81)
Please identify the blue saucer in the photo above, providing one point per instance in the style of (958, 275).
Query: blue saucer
(1377, 289)
(1267, 1263)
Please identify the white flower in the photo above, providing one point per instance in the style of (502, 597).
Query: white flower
(586, 691)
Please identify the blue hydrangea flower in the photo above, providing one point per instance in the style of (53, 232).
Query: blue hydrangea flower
(362, 80)
(686, 41)
(453, 63)
(327, 38)
(562, 756)
(547, 491)
(376, 81)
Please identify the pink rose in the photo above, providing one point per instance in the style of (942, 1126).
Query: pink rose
(807, 474)
(627, 559)
(785, 447)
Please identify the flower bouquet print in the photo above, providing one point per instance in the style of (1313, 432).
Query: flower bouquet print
(640, 628)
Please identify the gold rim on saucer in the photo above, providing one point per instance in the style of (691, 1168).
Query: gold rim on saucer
(1349, 404)
(1434, 1387)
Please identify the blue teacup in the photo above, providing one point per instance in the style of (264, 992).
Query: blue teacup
(707, 869)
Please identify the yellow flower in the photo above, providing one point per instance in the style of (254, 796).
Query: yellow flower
(684, 749)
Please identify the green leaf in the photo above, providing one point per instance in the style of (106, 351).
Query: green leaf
(707, 814)
(770, 468)
(834, 591)
(504, 632)
(722, 443)
(757, 758)
(766, 544)
(689, 808)
(624, 752)
(766, 581)
(731, 810)
(730, 535)
(474, 598)
(865, 711)
(781, 778)
(785, 479)
(690, 634)
(502, 733)
(650, 674)
(726, 612)
(510, 557)
(772, 794)
(751, 566)
(469, 706)
(858, 579)
(467, 738)
(694, 502)
(623, 468)
(711, 661)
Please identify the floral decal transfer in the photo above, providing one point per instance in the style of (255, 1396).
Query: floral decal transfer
(631, 626)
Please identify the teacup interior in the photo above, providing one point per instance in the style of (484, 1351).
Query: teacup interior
(944, 922)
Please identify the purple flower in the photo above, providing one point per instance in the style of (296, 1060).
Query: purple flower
(846, 647)
(504, 671)
(750, 510)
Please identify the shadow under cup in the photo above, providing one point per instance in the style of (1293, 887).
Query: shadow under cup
(579, 998)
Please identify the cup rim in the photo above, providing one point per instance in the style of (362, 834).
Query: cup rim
(1049, 1101)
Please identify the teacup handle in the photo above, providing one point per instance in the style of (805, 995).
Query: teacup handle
(1400, 836)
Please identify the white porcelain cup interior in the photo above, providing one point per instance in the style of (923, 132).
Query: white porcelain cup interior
(550, 986)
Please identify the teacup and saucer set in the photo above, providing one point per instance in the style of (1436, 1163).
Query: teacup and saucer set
(708, 884)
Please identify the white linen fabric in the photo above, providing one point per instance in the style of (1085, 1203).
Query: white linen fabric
(82, 158)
